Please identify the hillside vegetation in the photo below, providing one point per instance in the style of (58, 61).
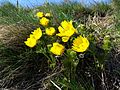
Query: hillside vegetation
(25, 68)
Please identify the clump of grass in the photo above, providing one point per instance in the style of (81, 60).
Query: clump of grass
(71, 10)
(11, 14)
(20, 69)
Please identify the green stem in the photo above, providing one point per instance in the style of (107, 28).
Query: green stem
(46, 56)
(70, 72)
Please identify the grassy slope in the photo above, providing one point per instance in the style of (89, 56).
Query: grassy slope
(22, 67)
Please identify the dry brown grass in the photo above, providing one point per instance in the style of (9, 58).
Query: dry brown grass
(13, 35)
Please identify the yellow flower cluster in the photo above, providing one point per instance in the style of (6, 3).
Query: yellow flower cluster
(43, 20)
(66, 30)
(80, 44)
(32, 40)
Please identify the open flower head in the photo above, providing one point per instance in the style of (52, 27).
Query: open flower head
(80, 44)
(39, 14)
(47, 15)
(31, 42)
(37, 33)
(57, 48)
(66, 30)
(50, 31)
(44, 21)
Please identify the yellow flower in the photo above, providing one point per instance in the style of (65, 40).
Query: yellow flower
(50, 31)
(66, 30)
(47, 14)
(37, 33)
(80, 44)
(44, 21)
(39, 14)
(68, 25)
(31, 42)
(57, 48)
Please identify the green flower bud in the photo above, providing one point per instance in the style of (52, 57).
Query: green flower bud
(71, 53)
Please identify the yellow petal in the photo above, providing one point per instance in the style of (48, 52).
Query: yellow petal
(37, 33)
(60, 29)
(64, 24)
(65, 39)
